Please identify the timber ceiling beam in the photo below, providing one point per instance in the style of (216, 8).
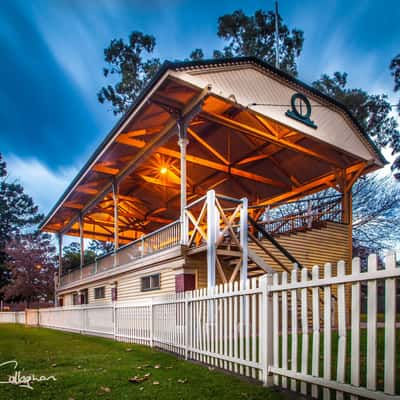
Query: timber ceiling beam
(270, 150)
(306, 188)
(207, 146)
(143, 131)
(104, 168)
(249, 130)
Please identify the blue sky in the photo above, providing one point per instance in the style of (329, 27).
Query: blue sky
(52, 58)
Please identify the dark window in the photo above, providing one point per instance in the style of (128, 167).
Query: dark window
(99, 292)
(84, 296)
(151, 282)
(75, 299)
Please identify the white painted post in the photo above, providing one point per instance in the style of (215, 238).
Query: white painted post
(115, 192)
(187, 323)
(327, 331)
(211, 238)
(151, 324)
(390, 328)
(372, 309)
(244, 239)
(60, 241)
(316, 327)
(266, 330)
(355, 326)
(304, 329)
(284, 328)
(82, 245)
(342, 333)
(293, 366)
(275, 326)
(183, 142)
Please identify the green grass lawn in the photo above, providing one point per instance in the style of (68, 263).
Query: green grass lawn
(88, 367)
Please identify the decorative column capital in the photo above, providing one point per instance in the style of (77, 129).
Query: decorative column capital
(183, 141)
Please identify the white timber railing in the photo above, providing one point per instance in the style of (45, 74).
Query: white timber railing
(164, 238)
(304, 333)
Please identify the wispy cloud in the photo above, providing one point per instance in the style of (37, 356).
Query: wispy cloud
(45, 185)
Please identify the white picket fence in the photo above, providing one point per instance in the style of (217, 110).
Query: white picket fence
(12, 317)
(301, 331)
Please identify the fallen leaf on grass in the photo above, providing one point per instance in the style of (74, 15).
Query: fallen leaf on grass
(128, 349)
(156, 383)
(141, 388)
(137, 379)
(182, 380)
(54, 365)
(147, 375)
(105, 389)
(157, 366)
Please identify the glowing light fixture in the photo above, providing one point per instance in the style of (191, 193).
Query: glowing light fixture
(163, 170)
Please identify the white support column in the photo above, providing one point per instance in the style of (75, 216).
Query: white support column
(266, 331)
(183, 142)
(115, 193)
(82, 243)
(244, 229)
(60, 241)
(115, 188)
(211, 238)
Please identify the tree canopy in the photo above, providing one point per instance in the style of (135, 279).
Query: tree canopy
(71, 259)
(131, 65)
(32, 263)
(373, 112)
(254, 35)
(395, 69)
(18, 213)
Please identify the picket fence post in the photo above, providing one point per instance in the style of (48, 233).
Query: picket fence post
(151, 324)
(187, 324)
(114, 313)
(266, 331)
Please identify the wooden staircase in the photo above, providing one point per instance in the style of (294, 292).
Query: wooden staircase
(326, 243)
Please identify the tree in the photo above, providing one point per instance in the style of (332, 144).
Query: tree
(31, 261)
(17, 214)
(131, 62)
(371, 111)
(71, 259)
(395, 68)
(99, 247)
(376, 212)
(254, 35)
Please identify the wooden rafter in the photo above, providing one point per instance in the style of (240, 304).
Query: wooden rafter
(143, 132)
(355, 176)
(306, 187)
(270, 149)
(246, 129)
(284, 172)
(104, 168)
(207, 146)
